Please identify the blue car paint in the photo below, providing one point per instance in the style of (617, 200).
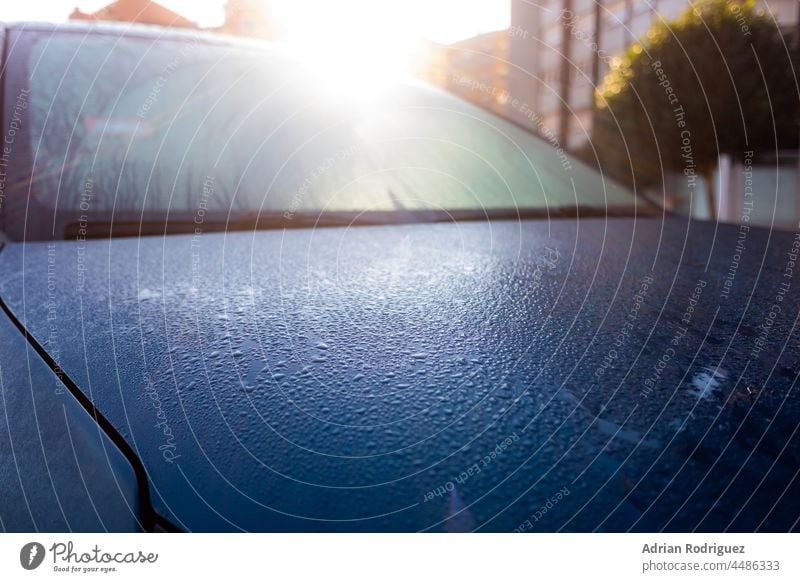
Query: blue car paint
(436, 377)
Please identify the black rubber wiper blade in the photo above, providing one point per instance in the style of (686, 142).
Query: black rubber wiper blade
(221, 222)
(97, 229)
(588, 211)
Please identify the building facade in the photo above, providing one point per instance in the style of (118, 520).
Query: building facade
(560, 50)
(478, 70)
(475, 69)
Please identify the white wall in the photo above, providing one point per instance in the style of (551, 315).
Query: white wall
(770, 198)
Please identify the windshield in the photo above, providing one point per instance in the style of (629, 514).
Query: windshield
(116, 130)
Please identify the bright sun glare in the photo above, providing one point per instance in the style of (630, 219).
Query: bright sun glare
(359, 45)
(355, 43)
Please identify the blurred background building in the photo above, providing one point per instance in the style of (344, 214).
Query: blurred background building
(563, 49)
(139, 11)
(475, 69)
(554, 54)
(559, 51)
(540, 72)
(251, 18)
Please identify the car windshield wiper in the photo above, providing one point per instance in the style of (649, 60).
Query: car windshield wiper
(125, 226)
(159, 224)
(587, 211)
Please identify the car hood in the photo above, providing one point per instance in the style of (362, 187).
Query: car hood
(556, 375)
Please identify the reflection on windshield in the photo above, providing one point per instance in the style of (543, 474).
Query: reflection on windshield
(150, 123)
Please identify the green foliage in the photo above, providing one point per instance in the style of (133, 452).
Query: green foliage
(718, 79)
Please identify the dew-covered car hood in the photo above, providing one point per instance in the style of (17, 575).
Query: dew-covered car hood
(607, 374)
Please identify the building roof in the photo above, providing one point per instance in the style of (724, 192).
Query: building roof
(142, 11)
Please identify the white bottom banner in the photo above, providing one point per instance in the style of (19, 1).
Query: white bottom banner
(354, 557)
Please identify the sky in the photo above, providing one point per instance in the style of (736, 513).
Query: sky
(443, 21)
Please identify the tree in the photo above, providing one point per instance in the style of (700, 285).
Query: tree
(717, 80)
